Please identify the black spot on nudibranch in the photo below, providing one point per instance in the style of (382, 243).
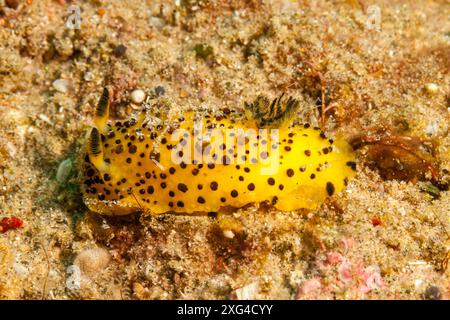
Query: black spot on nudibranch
(214, 185)
(352, 165)
(119, 149)
(330, 189)
(290, 173)
(345, 181)
(274, 200)
(182, 187)
(201, 199)
(90, 172)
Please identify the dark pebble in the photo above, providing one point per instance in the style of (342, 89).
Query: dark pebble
(120, 50)
(432, 293)
(160, 91)
(13, 4)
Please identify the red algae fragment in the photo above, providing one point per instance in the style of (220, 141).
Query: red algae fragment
(10, 224)
(376, 221)
(333, 258)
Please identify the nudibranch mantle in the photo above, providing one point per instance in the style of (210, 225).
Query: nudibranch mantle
(203, 162)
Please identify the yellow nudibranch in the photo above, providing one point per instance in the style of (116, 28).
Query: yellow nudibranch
(200, 162)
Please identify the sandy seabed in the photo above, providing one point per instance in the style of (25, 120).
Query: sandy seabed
(386, 66)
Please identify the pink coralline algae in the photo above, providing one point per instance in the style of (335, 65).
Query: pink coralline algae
(308, 287)
(365, 278)
(339, 274)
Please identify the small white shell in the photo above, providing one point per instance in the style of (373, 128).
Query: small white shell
(138, 96)
(64, 169)
(228, 234)
(61, 85)
(432, 88)
(248, 292)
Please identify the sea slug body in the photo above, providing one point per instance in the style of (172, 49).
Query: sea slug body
(201, 162)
